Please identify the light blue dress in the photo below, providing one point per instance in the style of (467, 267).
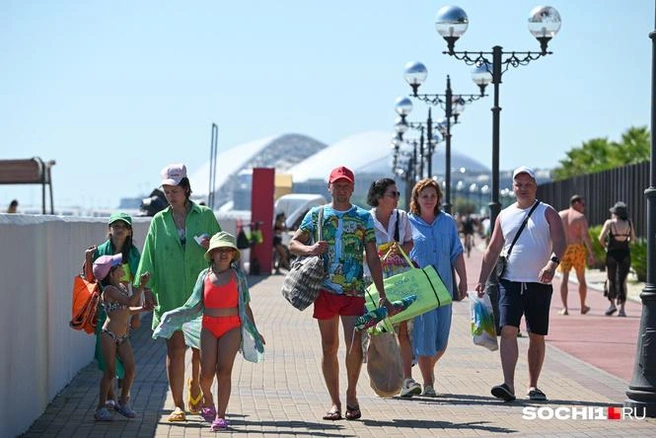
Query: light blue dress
(435, 244)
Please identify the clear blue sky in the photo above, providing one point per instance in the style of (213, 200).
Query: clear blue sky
(114, 91)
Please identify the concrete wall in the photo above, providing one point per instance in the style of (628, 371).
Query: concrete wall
(41, 354)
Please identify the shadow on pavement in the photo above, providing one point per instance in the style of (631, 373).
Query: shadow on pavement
(445, 425)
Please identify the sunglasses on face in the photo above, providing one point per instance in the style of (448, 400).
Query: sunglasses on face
(393, 194)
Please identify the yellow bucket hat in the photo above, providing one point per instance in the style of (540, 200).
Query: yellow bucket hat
(222, 239)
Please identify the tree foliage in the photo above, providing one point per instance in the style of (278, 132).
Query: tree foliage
(600, 154)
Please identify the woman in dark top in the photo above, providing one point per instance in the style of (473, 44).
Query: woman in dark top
(616, 236)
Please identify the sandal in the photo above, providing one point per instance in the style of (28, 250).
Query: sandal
(194, 403)
(503, 392)
(333, 416)
(353, 412)
(219, 424)
(177, 415)
(208, 414)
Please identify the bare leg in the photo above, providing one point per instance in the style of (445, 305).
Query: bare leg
(583, 289)
(405, 346)
(329, 329)
(563, 292)
(353, 341)
(427, 367)
(228, 347)
(536, 350)
(194, 385)
(509, 352)
(209, 358)
(107, 380)
(175, 367)
(127, 357)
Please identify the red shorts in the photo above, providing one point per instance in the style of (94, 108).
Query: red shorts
(220, 325)
(328, 305)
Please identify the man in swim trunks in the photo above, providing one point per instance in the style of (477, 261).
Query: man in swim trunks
(578, 246)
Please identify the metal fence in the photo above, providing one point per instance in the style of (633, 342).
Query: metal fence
(601, 190)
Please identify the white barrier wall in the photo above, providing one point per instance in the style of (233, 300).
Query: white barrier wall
(41, 354)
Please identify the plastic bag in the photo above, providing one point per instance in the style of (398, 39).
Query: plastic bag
(483, 329)
(384, 364)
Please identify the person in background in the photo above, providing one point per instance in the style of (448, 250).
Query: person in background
(278, 229)
(119, 241)
(348, 236)
(616, 236)
(436, 243)
(174, 254)
(525, 286)
(393, 234)
(467, 227)
(578, 242)
(114, 339)
(13, 206)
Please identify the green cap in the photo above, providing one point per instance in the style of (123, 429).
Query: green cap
(120, 216)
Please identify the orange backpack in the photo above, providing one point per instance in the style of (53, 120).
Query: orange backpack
(86, 296)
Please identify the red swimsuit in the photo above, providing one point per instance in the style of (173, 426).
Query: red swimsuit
(225, 296)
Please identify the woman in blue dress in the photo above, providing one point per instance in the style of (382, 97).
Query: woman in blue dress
(436, 243)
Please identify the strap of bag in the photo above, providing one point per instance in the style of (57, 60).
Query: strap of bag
(320, 223)
(405, 256)
(396, 226)
(521, 228)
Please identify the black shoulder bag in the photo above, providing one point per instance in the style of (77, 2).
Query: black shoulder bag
(503, 260)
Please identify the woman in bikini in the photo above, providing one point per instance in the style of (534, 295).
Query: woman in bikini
(616, 236)
(220, 304)
(114, 341)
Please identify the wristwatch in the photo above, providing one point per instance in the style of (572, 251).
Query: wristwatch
(555, 259)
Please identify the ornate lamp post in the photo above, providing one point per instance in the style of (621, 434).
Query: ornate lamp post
(451, 22)
(642, 389)
(453, 105)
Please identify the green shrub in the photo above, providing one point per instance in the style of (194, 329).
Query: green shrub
(639, 258)
(598, 250)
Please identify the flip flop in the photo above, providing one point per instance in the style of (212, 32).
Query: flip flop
(333, 416)
(353, 412)
(503, 392)
(194, 403)
(177, 415)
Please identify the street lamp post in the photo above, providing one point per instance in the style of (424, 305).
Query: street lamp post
(642, 389)
(451, 22)
(453, 105)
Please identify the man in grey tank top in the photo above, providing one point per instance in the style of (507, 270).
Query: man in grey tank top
(525, 287)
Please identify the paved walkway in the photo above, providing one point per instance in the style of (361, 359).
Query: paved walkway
(588, 364)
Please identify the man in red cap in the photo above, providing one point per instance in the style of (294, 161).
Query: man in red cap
(347, 233)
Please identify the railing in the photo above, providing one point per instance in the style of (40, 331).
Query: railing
(603, 189)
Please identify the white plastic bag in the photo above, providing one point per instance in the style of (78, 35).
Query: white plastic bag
(482, 325)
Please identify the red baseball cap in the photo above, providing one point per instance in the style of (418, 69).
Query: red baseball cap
(341, 172)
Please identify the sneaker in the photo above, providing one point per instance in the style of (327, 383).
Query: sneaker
(428, 391)
(125, 410)
(612, 309)
(410, 388)
(621, 313)
(110, 404)
(102, 414)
